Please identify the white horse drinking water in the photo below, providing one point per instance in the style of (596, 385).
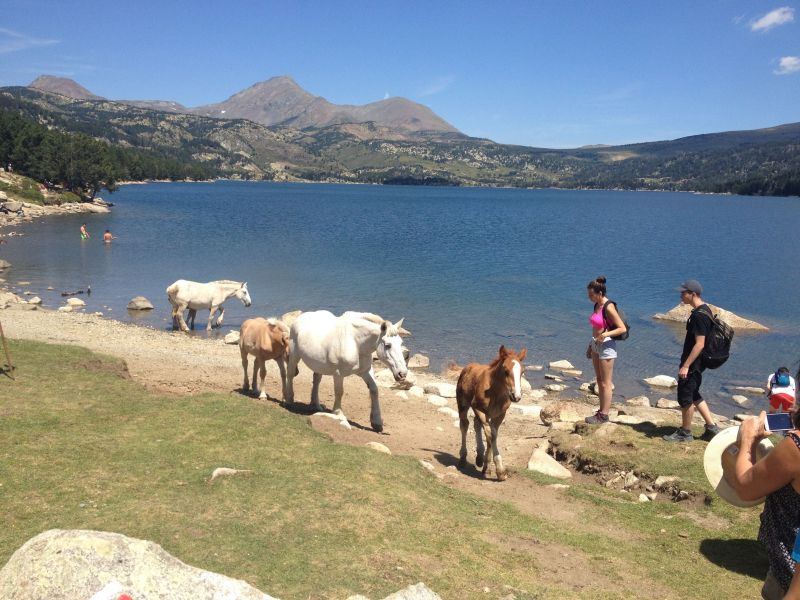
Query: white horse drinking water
(185, 294)
(342, 346)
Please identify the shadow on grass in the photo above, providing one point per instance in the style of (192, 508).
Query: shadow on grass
(301, 408)
(449, 460)
(743, 556)
(8, 371)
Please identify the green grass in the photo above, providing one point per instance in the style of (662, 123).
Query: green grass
(84, 447)
(27, 190)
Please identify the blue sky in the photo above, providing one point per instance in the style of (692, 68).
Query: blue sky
(550, 74)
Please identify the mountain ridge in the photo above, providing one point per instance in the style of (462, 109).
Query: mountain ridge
(280, 101)
(764, 161)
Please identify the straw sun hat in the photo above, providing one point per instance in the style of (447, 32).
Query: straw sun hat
(719, 461)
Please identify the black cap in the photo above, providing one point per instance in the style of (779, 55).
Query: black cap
(692, 285)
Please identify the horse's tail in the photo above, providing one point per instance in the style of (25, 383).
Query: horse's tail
(172, 291)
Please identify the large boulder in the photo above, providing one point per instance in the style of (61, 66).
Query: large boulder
(75, 302)
(12, 206)
(62, 564)
(560, 411)
(541, 462)
(140, 303)
(681, 314)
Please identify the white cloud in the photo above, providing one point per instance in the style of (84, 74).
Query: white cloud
(386, 96)
(774, 18)
(788, 65)
(12, 41)
(438, 86)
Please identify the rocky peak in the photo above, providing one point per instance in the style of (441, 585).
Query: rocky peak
(64, 86)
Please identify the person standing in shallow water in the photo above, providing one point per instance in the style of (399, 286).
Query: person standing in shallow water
(107, 237)
(84, 233)
(690, 374)
(606, 323)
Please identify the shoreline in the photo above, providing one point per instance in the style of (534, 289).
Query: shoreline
(465, 186)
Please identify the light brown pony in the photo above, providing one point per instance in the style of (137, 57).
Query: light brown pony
(265, 339)
(488, 390)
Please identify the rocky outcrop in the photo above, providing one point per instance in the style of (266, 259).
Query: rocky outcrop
(61, 564)
(681, 314)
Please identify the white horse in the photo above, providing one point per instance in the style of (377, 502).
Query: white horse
(185, 294)
(342, 346)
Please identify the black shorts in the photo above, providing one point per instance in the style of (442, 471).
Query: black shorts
(689, 388)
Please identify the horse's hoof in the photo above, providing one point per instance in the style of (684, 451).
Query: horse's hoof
(479, 461)
(462, 462)
(377, 428)
(502, 476)
(262, 396)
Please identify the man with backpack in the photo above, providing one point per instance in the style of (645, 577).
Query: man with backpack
(690, 375)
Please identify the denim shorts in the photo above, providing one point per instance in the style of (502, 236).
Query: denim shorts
(605, 350)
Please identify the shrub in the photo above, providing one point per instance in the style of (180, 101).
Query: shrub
(69, 197)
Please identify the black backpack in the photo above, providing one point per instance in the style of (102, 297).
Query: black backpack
(621, 336)
(718, 342)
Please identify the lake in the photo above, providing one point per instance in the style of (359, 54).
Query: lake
(469, 269)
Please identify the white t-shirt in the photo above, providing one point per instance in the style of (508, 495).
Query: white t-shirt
(778, 389)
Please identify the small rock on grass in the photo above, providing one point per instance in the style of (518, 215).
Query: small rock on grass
(378, 447)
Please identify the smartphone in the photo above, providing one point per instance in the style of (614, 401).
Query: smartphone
(778, 422)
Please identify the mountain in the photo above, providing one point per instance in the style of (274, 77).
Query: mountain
(280, 101)
(764, 161)
(63, 86)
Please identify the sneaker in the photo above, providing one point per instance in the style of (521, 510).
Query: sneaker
(679, 435)
(597, 418)
(710, 432)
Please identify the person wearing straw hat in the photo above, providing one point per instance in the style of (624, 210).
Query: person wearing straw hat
(752, 473)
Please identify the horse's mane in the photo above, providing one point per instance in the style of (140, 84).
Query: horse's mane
(373, 318)
(280, 324)
(226, 282)
(376, 319)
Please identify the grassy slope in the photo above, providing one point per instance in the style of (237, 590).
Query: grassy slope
(86, 448)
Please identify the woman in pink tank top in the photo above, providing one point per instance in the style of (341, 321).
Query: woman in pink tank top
(602, 349)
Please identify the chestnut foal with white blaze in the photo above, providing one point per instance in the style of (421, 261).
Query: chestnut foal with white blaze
(264, 339)
(489, 390)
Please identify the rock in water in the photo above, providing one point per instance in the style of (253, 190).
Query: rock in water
(662, 381)
(79, 564)
(140, 303)
(681, 314)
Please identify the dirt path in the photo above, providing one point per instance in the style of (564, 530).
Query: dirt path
(174, 363)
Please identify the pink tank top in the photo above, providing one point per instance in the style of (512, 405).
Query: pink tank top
(597, 321)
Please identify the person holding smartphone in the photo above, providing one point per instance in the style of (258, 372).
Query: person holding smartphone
(776, 476)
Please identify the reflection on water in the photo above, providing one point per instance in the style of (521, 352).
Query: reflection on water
(470, 269)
